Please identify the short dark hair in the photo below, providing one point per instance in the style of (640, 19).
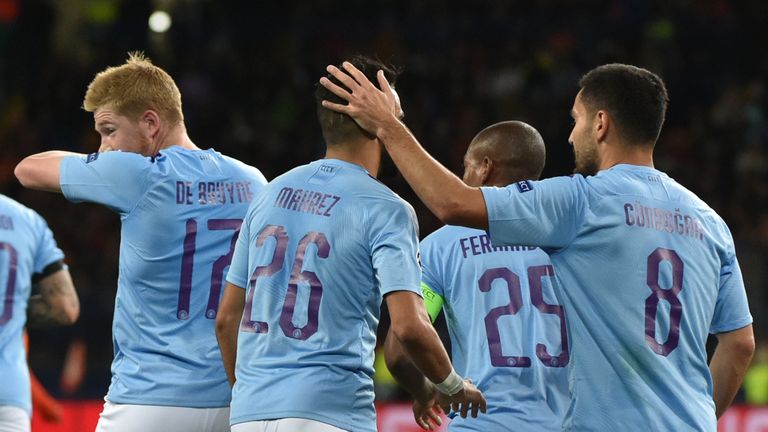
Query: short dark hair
(516, 148)
(338, 128)
(635, 97)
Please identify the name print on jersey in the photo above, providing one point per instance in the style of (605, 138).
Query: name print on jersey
(6, 222)
(673, 222)
(306, 201)
(478, 245)
(213, 193)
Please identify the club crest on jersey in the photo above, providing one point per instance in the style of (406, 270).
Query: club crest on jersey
(91, 157)
(524, 186)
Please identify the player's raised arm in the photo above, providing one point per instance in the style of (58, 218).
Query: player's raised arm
(42, 171)
(57, 303)
(377, 111)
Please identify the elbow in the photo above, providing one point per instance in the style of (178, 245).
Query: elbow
(225, 322)
(72, 313)
(24, 173)
(68, 311)
(450, 211)
(38, 174)
(220, 326)
(739, 345)
(408, 332)
(461, 207)
(744, 348)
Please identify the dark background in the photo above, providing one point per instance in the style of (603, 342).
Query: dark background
(247, 72)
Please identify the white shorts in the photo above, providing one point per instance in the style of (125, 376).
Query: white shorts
(285, 425)
(14, 419)
(154, 418)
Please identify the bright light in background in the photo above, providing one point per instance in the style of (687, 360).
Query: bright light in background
(159, 21)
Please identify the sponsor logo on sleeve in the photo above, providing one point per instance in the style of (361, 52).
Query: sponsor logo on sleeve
(91, 157)
(524, 186)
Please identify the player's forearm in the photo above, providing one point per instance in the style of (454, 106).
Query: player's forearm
(40, 313)
(404, 371)
(57, 303)
(422, 344)
(445, 194)
(729, 364)
(228, 325)
(226, 334)
(41, 171)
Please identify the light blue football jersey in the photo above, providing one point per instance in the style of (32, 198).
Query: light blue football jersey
(318, 250)
(181, 211)
(508, 332)
(645, 271)
(26, 248)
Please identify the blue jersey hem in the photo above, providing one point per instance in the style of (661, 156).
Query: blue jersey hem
(238, 282)
(168, 402)
(299, 414)
(14, 403)
(415, 290)
(731, 326)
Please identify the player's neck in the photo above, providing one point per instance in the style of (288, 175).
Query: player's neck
(176, 136)
(367, 155)
(623, 154)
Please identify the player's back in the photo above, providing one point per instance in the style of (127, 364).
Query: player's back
(312, 299)
(181, 212)
(26, 247)
(644, 281)
(507, 329)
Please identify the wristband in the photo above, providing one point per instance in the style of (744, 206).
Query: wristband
(451, 385)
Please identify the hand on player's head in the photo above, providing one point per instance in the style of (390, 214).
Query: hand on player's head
(369, 106)
(469, 399)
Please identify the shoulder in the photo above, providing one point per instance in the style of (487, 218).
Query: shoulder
(295, 178)
(717, 226)
(576, 181)
(708, 215)
(387, 213)
(10, 205)
(440, 239)
(250, 170)
(112, 163)
(450, 232)
(396, 205)
(117, 157)
(372, 193)
(20, 213)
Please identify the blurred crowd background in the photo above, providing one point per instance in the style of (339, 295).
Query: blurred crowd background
(247, 72)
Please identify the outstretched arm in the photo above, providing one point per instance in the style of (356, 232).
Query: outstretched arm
(227, 326)
(729, 363)
(57, 303)
(377, 110)
(42, 171)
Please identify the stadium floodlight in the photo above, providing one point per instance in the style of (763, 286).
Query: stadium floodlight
(159, 21)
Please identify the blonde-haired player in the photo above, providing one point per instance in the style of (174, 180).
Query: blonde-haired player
(181, 209)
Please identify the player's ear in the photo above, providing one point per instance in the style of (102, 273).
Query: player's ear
(486, 168)
(602, 123)
(150, 122)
